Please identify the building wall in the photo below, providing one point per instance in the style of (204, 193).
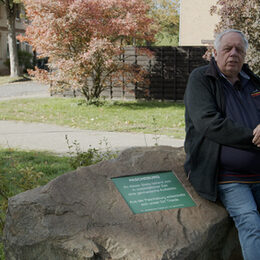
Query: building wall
(20, 29)
(196, 23)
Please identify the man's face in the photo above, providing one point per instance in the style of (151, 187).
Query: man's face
(230, 55)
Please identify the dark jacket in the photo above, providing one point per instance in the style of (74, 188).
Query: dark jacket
(207, 128)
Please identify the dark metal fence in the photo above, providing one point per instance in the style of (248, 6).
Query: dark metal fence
(169, 70)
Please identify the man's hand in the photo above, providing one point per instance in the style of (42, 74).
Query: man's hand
(256, 133)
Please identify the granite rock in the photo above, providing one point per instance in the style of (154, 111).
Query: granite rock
(81, 215)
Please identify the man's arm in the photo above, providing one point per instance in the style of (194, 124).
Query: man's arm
(205, 114)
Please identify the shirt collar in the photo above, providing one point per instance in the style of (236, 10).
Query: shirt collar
(213, 71)
(242, 75)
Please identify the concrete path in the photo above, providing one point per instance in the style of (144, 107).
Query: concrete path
(36, 136)
(24, 89)
(46, 137)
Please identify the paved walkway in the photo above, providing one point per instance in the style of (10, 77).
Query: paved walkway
(46, 137)
(37, 136)
(24, 89)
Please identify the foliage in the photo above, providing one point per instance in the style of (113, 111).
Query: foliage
(26, 179)
(80, 158)
(166, 39)
(243, 16)
(156, 131)
(2, 257)
(166, 14)
(10, 2)
(25, 60)
(84, 40)
(4, 195)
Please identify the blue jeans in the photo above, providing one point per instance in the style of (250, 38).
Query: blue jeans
(242, 202)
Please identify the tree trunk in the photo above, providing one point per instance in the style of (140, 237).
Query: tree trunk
(14, 64)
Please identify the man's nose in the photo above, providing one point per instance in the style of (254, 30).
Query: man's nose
(233, 51)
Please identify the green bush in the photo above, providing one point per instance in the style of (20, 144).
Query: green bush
(2, 257)
(25, 179)
(80, 158)
(25, 60)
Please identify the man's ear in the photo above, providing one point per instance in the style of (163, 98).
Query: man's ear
(215, 53)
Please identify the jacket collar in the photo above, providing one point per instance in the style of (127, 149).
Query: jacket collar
(213, 71)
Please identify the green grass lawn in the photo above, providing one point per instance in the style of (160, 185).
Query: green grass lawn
(12, 161)
(23, 170)
(165, 118)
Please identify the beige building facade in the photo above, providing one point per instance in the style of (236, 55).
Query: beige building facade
(20, 26)
(196, 23)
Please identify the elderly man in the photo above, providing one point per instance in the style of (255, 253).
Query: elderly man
(222, 143)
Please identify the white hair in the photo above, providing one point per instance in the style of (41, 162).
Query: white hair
(220, 36)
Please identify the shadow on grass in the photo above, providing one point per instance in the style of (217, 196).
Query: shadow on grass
(133, 104)
(10, 80)
(136, 105)
(21, 79)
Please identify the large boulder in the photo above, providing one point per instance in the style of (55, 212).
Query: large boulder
(81, 215)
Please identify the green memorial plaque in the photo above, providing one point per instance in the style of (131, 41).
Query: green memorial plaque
(153, 192)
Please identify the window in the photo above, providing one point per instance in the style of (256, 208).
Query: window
(7, 51)
(18, 44)
(27, 47)
(1, 54)
(18, 11)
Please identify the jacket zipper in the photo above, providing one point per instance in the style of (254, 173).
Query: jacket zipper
(188, 177)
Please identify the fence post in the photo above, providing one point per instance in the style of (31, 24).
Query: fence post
(111, 89)
(150, 76)
(123, 87)
(188, 60)
(136, 66)
(174, 73)
(162, 73)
